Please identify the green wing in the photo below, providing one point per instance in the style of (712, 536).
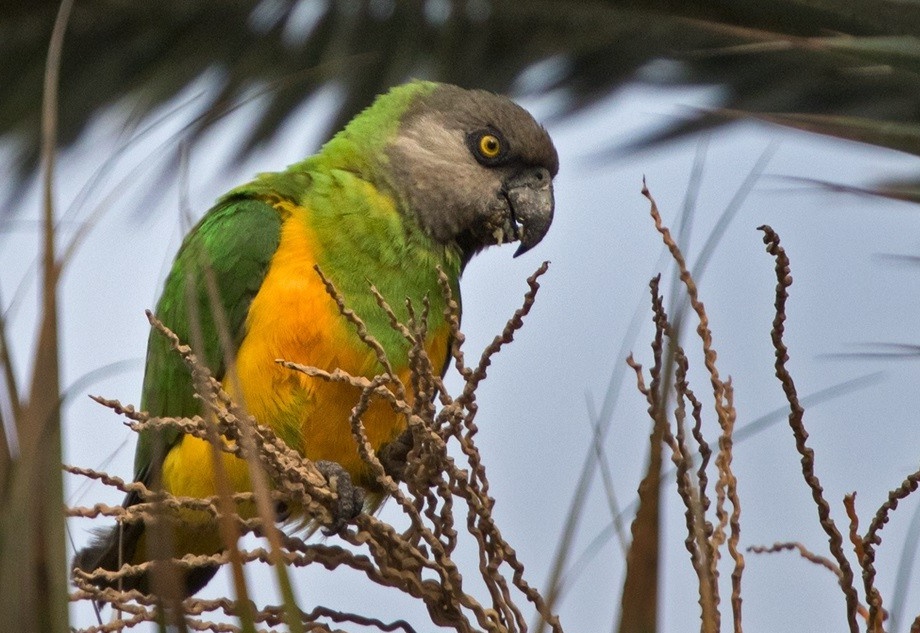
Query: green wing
(232, 244)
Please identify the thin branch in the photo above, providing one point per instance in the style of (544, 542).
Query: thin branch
(796, 415)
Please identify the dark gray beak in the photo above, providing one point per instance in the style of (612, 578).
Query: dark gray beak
(530, 193)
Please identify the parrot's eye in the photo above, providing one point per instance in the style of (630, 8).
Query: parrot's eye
(488, 146)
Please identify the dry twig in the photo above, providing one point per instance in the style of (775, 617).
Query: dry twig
(703, 540)
(796, 415)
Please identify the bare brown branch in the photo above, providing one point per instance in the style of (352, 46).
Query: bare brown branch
(796, 423)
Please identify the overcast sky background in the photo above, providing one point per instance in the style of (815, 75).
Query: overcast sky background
(534, 418)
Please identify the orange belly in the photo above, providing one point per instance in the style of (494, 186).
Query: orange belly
(293, 318)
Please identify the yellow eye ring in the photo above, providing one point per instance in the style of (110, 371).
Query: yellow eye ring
(489, 145)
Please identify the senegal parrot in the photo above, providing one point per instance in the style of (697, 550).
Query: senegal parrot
(426, 177)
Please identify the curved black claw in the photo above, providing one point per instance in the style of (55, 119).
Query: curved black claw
(351, 497)
(394, 455)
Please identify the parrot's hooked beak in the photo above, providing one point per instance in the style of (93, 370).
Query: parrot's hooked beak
(530, 196)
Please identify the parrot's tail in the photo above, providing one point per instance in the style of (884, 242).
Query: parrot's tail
(125, 543)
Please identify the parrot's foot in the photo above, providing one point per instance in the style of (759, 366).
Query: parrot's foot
(351, 497)
(394, 455)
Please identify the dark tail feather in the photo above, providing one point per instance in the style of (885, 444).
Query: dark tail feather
(110, 549)
(113, 547)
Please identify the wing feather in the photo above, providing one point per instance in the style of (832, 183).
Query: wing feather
(232, 246)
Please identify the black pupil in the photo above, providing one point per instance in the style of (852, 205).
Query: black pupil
(491, 145)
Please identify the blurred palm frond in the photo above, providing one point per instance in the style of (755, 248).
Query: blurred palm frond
(830, 66)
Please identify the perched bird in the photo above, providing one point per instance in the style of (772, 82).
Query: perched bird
(426, 177)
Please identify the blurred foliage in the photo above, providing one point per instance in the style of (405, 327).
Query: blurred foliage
(33, 583)
(845, 68)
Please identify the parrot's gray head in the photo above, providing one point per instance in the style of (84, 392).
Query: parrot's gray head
(475, 168)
